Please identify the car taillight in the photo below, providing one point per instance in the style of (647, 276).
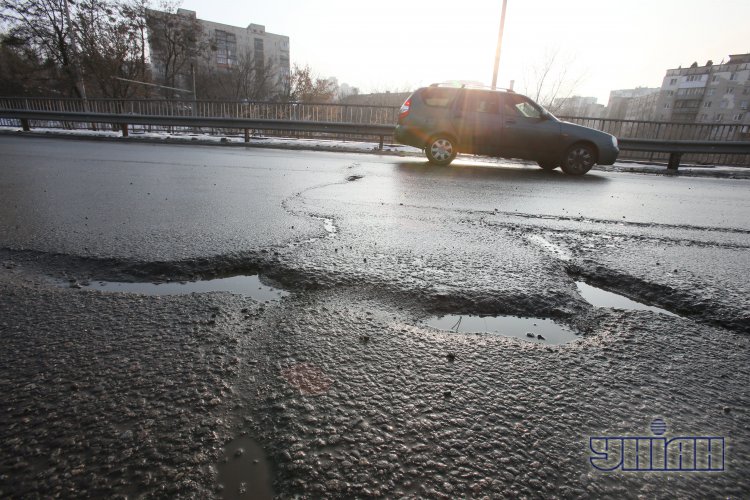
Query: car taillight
(404, 111)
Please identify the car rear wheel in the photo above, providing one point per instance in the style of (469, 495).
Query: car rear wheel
(579, 159)
(441, 150)
(549, 166)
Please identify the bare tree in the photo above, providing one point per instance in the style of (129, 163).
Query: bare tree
(176, 42)
(43, 26)
(112, 45)
(64, 45)
(305, 86)
(244, 78)
(21, 70)
(552, 79)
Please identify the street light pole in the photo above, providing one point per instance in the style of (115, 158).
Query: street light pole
(499, 45)
(75, 60)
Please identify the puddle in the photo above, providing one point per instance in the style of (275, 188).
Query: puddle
(602, 298)
(250, 286)
(508, 326)
(244, 471)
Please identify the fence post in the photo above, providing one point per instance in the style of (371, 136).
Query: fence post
(25, 125)
(247, 135)
(380, 147)
(674, 161)
(124, 130)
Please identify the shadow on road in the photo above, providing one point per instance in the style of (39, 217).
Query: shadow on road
(497, 172)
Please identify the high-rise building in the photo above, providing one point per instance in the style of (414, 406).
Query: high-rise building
(631, 104)
(179, 43)
(712, 93)
(577, 106)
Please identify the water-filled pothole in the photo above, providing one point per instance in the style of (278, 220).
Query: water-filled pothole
(543, 331)
(602, 298)
(244, 471)
(250, 286)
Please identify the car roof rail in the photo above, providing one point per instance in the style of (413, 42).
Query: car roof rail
(469, 85)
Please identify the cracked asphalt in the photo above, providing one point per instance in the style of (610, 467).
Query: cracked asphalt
(339, 389)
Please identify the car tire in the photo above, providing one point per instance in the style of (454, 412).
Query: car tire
(549, 166)
(578, 159)
(441, 150)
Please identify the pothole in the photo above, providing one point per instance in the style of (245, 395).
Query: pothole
(537, 330)
(602, 298)
(244, 471)
(250, 286)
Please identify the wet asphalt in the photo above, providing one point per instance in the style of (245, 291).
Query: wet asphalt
(339, 389)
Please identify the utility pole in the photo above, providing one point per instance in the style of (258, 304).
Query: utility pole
(499, 45)
(195, 97)
(76, 60)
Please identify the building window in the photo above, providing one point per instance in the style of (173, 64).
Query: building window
(715, 78)
(666, 106)
(718, 117)
(738, 117)
(258, 53)
(704, 117)
(710, 92)
(730, 90)
(743, 105)
(707, 104)
(733, 76)
(226, 48)
(673, 81)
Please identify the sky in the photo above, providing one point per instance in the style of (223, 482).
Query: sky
(600, 45)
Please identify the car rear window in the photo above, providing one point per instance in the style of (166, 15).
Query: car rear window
(438, 97)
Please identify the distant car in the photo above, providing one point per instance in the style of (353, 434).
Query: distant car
(446, 120)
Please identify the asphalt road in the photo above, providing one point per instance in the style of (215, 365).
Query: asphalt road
(340, 388)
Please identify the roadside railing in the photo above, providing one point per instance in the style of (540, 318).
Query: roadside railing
(255, 110)
(714, 143)
(123, 122)
(628, 131)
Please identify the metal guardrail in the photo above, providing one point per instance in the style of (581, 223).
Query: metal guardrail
(124, 120)
(355, 113)
(675, 148)
(261, 110)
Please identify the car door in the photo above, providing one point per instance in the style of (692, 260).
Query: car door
(476, 119)
(527, 132)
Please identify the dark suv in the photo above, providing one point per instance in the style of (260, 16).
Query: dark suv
(446, 120)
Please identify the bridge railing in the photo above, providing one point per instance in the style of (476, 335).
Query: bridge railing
(631, 133)
(256, 110)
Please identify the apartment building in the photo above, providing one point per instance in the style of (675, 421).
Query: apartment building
(632, 104)
(712, 93)
(577, 106)
(223, 48)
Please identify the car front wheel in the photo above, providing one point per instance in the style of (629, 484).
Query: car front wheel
(441, 150)
(579, 159)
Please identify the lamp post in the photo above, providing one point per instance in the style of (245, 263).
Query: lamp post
(499, 45)
(76, 63)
